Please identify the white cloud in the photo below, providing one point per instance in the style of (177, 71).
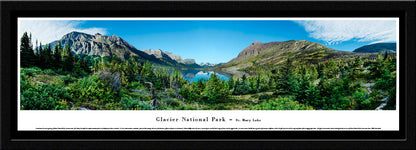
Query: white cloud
(47, 31)
(337, 31)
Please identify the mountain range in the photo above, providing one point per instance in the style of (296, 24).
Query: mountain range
(165, 55)
(82, 43)
(209, 65)
(256, 55)
(114, 46)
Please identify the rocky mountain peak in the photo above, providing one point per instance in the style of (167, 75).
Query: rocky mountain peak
(115, 46)
(173, 56)
(252, 49)
(188, 61)
(115, 38)
(77, 36)
(255, 42)
(158, 53)
(97, 44)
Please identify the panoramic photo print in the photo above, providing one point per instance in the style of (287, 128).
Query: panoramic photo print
(208, 64)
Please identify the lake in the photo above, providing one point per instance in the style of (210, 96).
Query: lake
(195, 75)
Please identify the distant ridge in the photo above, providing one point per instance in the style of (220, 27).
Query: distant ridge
(208, 65)
(378, 47)
(165, 55)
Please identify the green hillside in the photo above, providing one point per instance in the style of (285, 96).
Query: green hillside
(263, 56)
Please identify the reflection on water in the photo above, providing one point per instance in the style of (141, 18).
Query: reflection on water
(195, 75)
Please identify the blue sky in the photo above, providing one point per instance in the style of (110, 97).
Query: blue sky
(218, 41)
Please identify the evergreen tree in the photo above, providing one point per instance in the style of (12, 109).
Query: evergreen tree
(57, 56)
(300, 91)
(252, 84)
(96, 66)
(37, 50)
(243, 79)
(312, 96)
(48, 60)
(314, 74)
(331, 69)
(231, 83)
(356, 68)
(378, 67)
(40, 56)
(68, 59)
(215, 90)
(103, 65)
(30, 40)
(61, 50)
(147, 69)
(242, 86)
(113, 65)
(258, 83)
(27, 55)
(287, 78)
(137, 68)
(84, 65)
(77, 71)
(320, 69)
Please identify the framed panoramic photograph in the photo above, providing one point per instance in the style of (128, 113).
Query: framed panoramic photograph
(156, 75)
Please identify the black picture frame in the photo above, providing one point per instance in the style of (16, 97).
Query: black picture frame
(13, 139)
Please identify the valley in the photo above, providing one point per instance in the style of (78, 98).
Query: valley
(96, 72)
